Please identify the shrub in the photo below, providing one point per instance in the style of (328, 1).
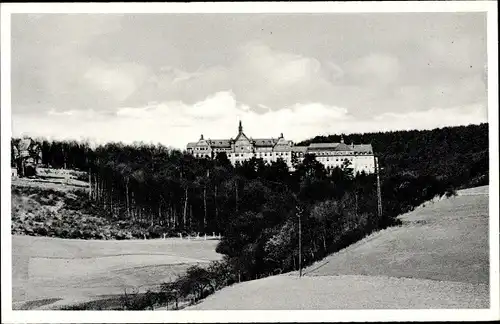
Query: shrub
(88, 234)
(38, 218)
(155, 231)
(42, 231)
(450, 192)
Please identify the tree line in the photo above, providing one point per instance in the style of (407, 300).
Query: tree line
(257, 206)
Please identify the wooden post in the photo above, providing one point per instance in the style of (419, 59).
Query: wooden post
(299, 212)
(379, 191)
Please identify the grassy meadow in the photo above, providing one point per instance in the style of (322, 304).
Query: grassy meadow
(438, 258)
(83, 270)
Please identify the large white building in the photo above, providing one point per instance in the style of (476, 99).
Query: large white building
(242, 148)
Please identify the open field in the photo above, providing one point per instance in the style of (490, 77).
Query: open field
(55, 179)
(439, 258)
(48, 269)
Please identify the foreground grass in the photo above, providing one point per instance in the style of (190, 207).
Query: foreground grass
(81, 271)
(439, 258)
(345, 292)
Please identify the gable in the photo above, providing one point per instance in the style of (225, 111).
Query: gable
(241, 140)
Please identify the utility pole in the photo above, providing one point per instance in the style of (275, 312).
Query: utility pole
(379, 192)
(299, 214)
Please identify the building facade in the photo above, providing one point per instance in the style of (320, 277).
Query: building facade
(241, 148)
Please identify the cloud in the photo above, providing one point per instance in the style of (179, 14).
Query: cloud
(51, 56)
(176, 123)
(257, 75)
(138, 77)
(375, 69)
(116, 80)
(458, 54)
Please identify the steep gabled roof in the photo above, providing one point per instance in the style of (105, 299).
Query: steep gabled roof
(343, 147)
(241, 135)
(282, 141)
(24, 144)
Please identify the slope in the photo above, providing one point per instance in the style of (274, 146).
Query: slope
(439, 258)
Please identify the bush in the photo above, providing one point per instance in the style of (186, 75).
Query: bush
(42, 231)
(155, 231)
(450, 192)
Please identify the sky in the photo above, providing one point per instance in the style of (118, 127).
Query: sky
(169, 78)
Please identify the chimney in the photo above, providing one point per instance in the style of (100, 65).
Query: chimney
(240, 128)
(342, 139)
(201, 137)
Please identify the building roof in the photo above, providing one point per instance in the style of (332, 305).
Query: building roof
(322, 146)
(363, 148)
(299, 149)
(282, 145)
(343, 147)
(220, 143)
(264, 142)
(24, 144)
(241, 135)
(333, 147)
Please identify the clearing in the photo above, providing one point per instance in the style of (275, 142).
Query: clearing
(439, 258)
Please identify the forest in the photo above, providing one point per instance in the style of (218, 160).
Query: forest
(259, 208)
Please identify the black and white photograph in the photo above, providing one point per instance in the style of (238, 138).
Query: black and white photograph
(174, 159)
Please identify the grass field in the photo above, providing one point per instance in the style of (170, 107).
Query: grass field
(51, 272)
(439, 258)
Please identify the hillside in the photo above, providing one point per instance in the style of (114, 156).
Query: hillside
(438, 258)
(56, 203)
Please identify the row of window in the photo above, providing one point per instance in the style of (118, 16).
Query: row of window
(334, 153)
(270, 154)
(300, 153)
(337, 159)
